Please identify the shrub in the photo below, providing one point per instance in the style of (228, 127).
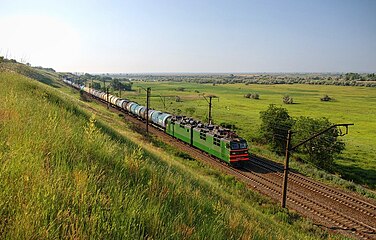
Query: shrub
(180, 89)
(255, 96)
(326, 98)
(321, 150)
(287, 99)
(275, 122)
(252, 95)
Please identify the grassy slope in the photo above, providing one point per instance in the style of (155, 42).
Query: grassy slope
(353, 105)
(64, 175)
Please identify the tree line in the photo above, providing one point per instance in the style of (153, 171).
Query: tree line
(98, 82)
(339, 79)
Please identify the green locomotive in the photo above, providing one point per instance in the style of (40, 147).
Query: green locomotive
(221, 143)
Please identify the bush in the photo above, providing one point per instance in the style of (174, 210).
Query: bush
(190, 110)
(255, 96)
(275, 123)
(321, 150)
(326, 98)
(252, 95)
(287, 99)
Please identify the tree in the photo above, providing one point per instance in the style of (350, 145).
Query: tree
(287, 99)
(248, 95)
(116, 84)
(322, 150)
(96, 85)
(255, 96)
(190, 110)
(275, 122)
(252, 95)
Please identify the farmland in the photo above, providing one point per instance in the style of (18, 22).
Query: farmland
(68, 173)
(351, 105)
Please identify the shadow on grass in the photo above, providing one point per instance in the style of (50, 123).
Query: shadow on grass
(366, 177)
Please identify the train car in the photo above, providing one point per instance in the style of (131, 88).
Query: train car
(181, 128)
(142, 113)
(121, 103)
(160, 118)
(221, 143)
(129, 105)
(113, 99)
(133, 108)
(151, 111)
(138, 109)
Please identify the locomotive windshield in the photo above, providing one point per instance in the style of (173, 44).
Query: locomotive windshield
(234, 145)
(243, 145)
(238, 145)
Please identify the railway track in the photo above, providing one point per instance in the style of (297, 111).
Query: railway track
(326, 206)
(339, 196)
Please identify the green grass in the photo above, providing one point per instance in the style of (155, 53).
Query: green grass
(68, 174)
(352, 105)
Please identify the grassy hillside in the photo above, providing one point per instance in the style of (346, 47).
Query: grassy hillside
(42, 75)
(352, 105)
(64, 173)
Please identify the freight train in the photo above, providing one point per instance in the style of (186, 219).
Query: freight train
(219, 142)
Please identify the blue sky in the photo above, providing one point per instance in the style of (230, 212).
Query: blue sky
(192, 36)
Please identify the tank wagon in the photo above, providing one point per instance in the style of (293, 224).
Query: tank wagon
(219, 142)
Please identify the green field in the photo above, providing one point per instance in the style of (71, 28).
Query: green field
(66, 173)
(352, 105)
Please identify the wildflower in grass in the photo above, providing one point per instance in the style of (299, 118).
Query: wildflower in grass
(90, 128)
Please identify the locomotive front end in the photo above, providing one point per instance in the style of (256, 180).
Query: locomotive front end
(238, 152)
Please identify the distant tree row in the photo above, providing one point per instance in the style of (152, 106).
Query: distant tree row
(347, 79)
(95, 81)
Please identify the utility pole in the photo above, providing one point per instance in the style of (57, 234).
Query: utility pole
(148, 90)
(108, 104)
(120, 92)
(210, 106)
(289, 149)
(286, 169)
